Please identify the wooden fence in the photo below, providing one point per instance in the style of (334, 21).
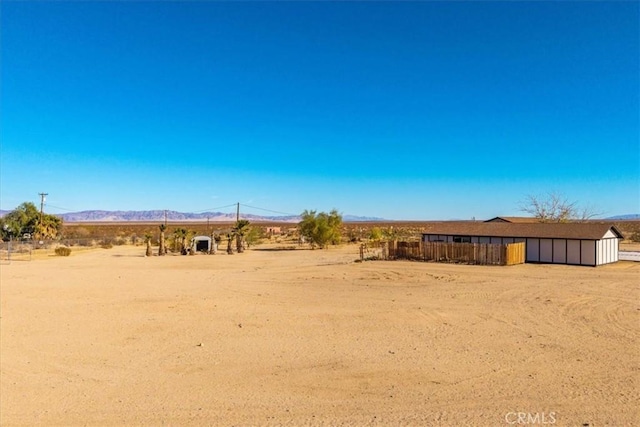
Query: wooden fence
(468, 253)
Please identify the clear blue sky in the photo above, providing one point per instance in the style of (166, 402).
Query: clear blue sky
(401, 110)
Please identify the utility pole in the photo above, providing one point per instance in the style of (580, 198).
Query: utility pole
(42, 198)
(238, 213)
(165, 217)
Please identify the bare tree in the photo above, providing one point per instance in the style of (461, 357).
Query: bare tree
(555, 207)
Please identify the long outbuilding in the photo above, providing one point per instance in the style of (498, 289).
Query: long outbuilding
(588, 243)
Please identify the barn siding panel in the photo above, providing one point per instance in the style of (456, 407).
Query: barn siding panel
(609, 248)
(601, 251)
(573, 251)
(559, 251)
(546, 250)
(612, 245)
(533, 250)
(588, 252)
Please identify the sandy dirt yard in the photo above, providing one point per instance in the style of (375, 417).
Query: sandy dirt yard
(310, 337)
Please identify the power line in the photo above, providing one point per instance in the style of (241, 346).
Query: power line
(213, 209)
(232, 205)
(269, 210)
(61, 209)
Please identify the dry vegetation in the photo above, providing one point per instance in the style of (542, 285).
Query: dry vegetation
(130, 232)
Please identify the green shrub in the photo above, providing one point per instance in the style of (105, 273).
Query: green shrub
(63, 251)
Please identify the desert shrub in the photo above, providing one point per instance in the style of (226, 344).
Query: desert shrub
(375, 234)
(635, 237)
(254, 236)
(106, 244)
(63, 251)
(321, 228)
(119, 241)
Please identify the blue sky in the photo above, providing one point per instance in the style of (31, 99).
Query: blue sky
(405, 110)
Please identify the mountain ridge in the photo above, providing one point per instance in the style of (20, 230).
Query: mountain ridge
(159, 216)
(627, 217)
(156, 215)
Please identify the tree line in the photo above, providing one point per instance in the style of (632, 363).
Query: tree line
(26, 219)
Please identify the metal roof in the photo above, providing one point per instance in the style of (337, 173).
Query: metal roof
(571, 230)
(515, 219)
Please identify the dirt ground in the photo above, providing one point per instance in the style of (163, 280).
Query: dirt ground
(310, 337)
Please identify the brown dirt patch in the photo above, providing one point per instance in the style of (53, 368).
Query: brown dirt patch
(302, 337)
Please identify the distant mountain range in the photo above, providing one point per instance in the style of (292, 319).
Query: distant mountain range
(159, 215)
(627, 217)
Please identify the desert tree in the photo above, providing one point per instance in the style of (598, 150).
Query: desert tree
(147, 239)
(162, 250)
(49, 227)
(180, 240)
(240, 229)
(229, 247)
(322, 228)
(214, 243)
(26, 218)
(555, 207)
(253, 236)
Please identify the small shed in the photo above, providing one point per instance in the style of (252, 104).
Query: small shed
(201, 244)
(590, 243)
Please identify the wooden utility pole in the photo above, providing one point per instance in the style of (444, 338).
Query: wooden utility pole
(238, 212)
(42, 198)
